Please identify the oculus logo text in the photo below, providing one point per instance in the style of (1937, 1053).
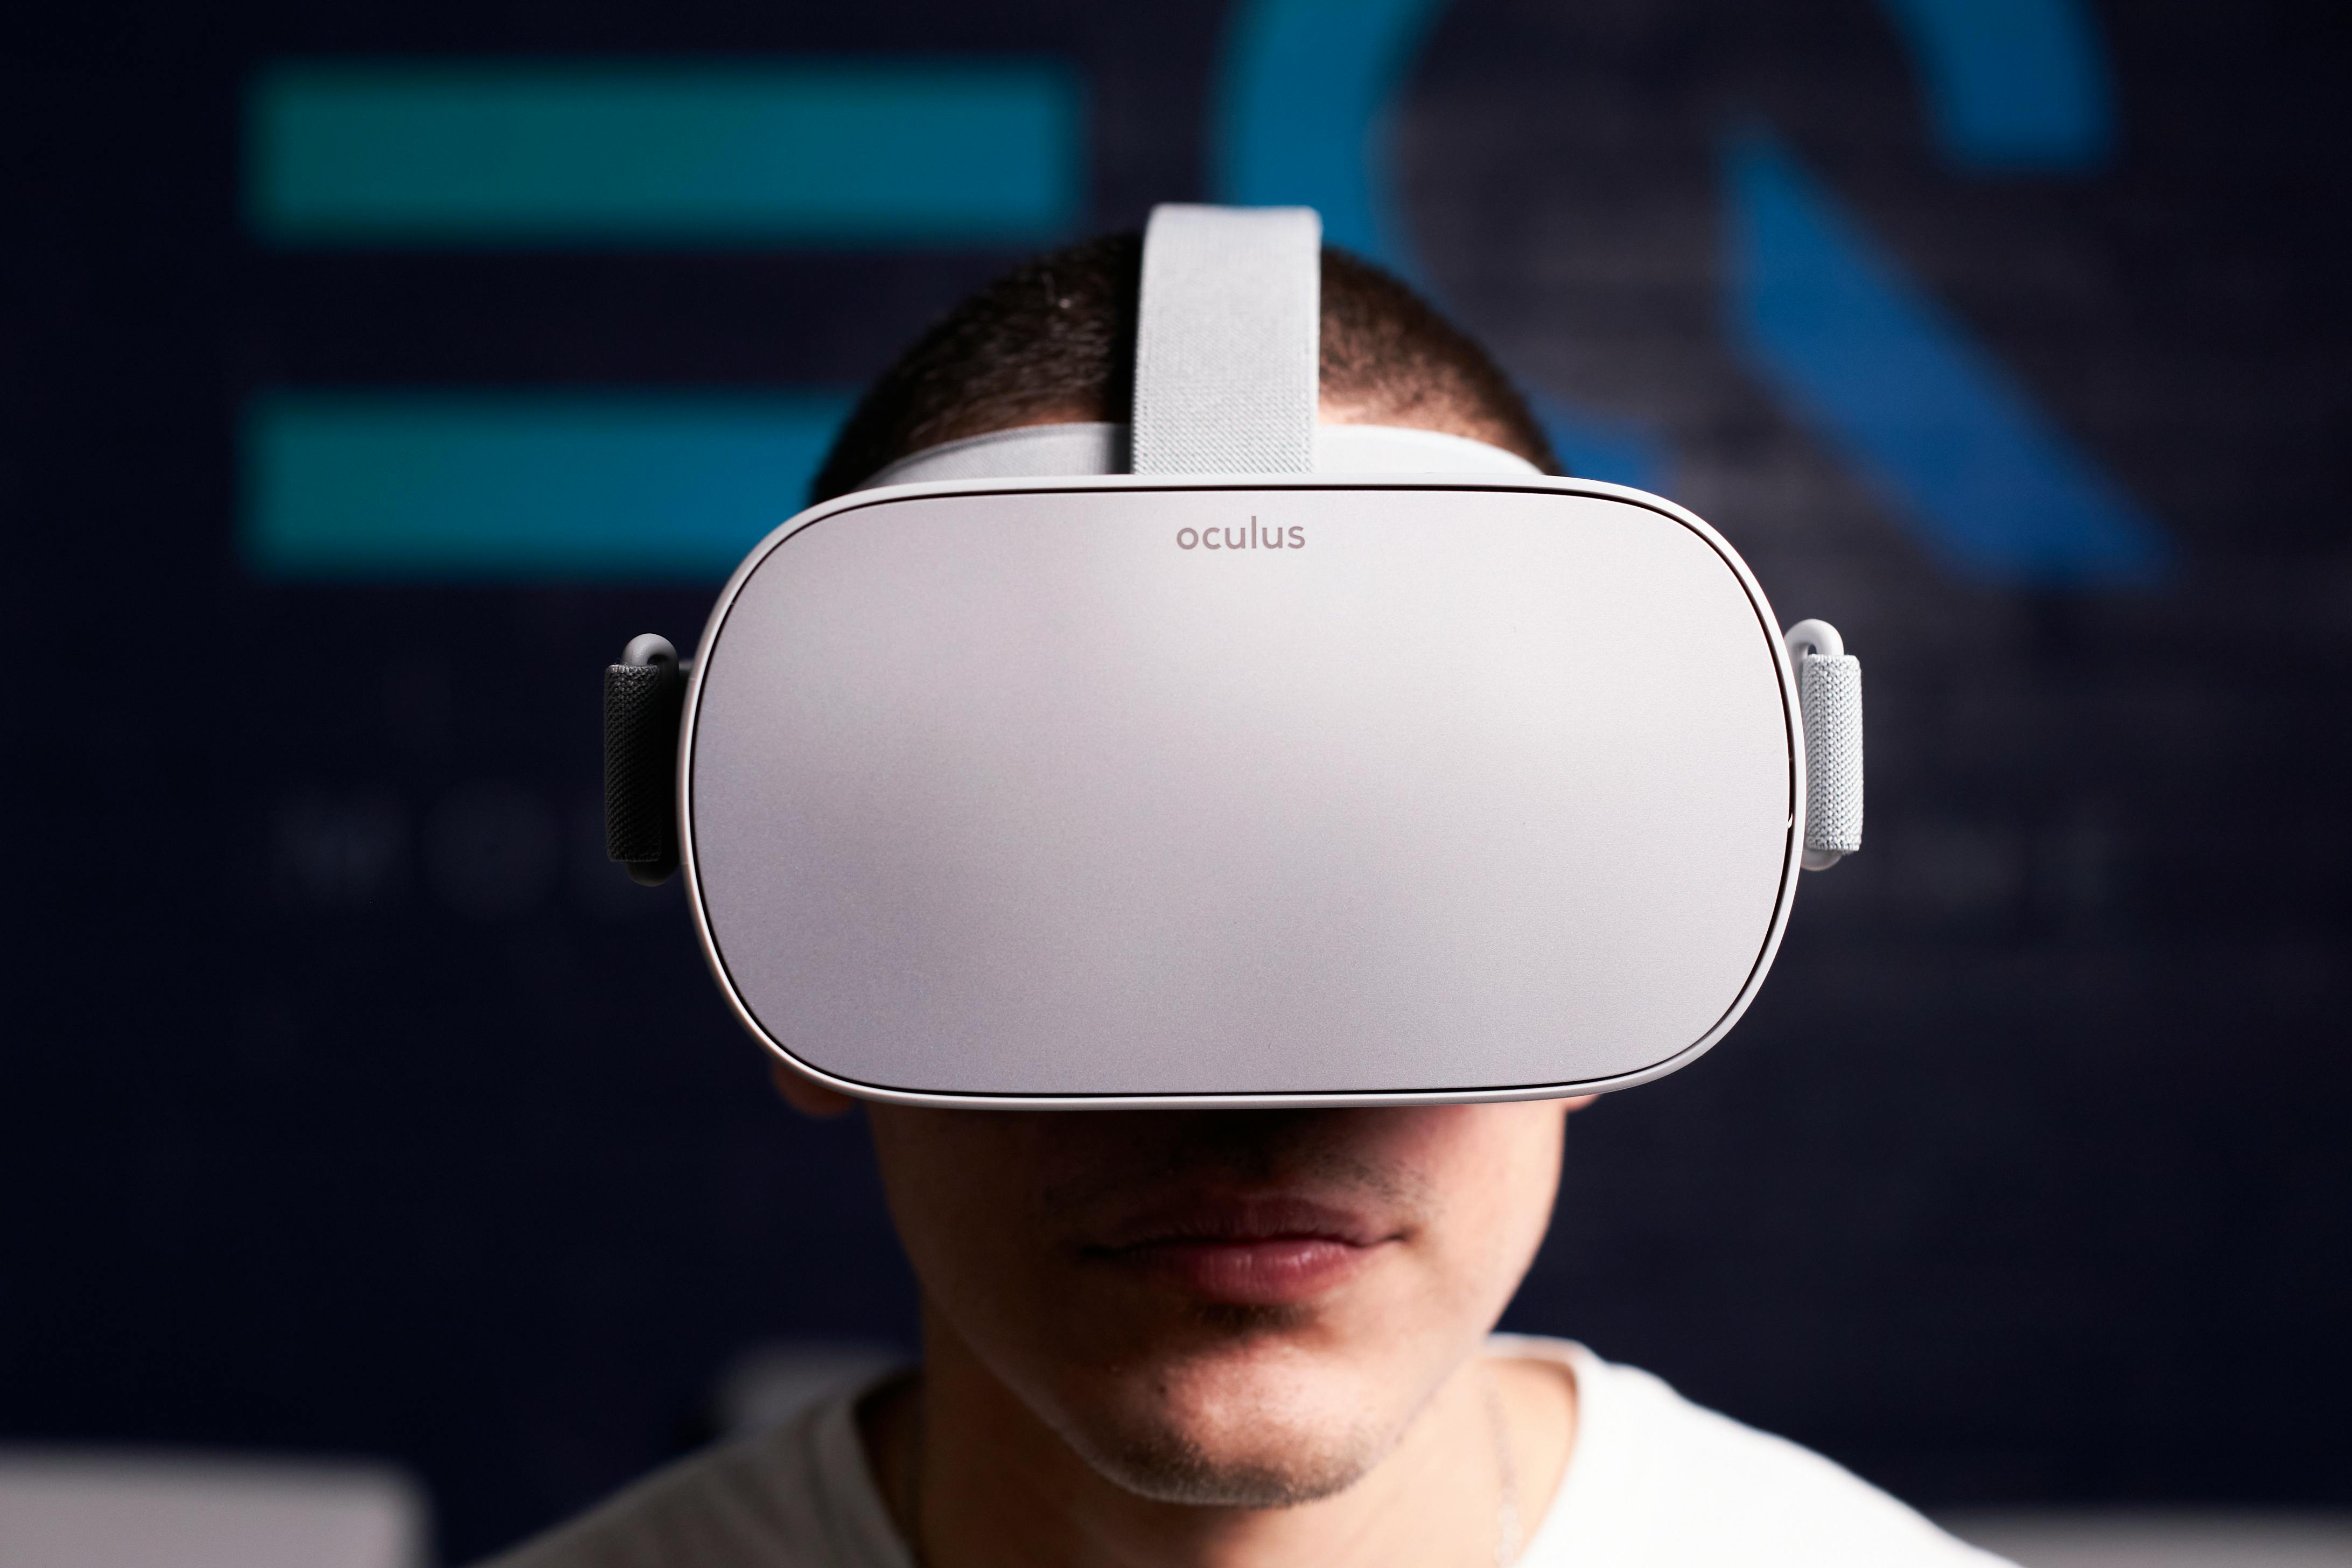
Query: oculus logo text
(1250, 538)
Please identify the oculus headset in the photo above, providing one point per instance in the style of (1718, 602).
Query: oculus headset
(1229, 760)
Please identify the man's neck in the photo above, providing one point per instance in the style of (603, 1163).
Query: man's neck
(974, 1478)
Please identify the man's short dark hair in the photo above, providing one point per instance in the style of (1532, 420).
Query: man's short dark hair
(1054, 340)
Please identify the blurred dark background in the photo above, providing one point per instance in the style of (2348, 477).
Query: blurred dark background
(350, 1103)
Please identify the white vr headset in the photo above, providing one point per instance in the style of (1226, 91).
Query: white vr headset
(1235, 760)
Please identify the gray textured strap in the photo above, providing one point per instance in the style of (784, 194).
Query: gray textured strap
(1227, 337)
(1829, 693)
(1830, 690)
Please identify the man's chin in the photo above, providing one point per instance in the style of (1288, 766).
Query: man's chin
(1170, 1467)
(1212, 1439)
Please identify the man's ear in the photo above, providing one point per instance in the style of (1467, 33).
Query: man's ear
(806, 1095)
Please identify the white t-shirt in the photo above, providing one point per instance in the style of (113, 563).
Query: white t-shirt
(1653, 1481)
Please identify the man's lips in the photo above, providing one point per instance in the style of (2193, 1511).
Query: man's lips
(1247, 1251)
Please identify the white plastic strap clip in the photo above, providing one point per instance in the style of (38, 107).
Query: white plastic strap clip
(1228, 340)
(1829, 694)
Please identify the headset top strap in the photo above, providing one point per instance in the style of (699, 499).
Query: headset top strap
(1227, 341)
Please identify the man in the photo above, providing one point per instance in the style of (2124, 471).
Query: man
(1211, 1338)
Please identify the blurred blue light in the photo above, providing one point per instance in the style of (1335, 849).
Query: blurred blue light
(1304, 107)
(1303, 112)
(1863, 355)
(2013, 86)
(515, 487)
(810, 152)
(1594, 447)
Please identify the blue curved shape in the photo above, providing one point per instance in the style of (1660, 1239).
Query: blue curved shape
(1859, 352)
(1596, 447)
(2013, 86)
(1302, 112)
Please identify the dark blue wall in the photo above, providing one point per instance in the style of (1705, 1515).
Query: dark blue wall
(322, 1127)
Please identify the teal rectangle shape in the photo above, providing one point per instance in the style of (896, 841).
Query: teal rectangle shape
(455, 488)
(806, 152)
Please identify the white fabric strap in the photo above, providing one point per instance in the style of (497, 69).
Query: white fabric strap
(1402, 449)
(1053, 451)
(1829, 694)
(1026, 452)
(1228, 335)
(1830, 691)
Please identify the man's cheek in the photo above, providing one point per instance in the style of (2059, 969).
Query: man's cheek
(1463, 1156)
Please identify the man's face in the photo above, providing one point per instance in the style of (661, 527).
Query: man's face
(1245, 1308)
